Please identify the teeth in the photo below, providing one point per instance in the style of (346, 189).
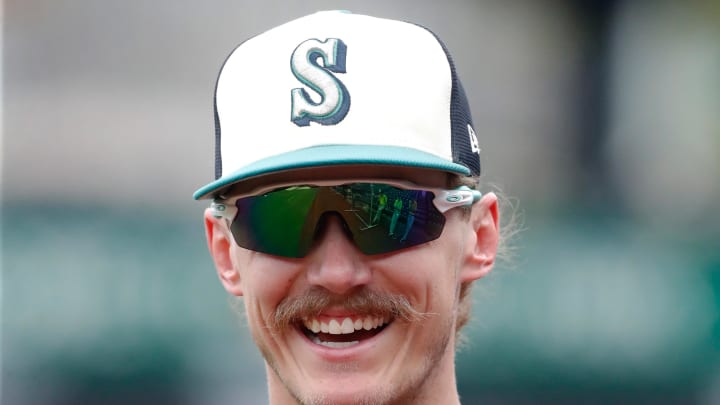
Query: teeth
(347, 326)
(339, 345)
(344, 326)
(334, 328)
(334, 345)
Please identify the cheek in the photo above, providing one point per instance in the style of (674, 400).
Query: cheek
(427, 276)
(265, 281)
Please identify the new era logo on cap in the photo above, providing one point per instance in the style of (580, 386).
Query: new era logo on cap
(336, 88)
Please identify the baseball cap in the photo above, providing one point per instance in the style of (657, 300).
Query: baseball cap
(336, 88)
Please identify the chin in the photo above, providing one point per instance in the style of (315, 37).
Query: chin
(356, 388)
(339, 396)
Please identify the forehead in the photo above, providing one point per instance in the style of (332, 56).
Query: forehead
(422, 177)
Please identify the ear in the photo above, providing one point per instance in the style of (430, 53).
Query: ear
(482, 244)
(220, 243)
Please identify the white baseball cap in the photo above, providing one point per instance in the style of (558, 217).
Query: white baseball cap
(336, 88)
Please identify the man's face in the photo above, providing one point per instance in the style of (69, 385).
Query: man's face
(338, 326)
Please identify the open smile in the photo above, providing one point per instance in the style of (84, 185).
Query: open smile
(343, 332)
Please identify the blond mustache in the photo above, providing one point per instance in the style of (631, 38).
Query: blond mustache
(364, 302)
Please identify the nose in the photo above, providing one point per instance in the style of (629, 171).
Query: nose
(335, 263)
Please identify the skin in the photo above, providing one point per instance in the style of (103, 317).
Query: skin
(407, 362)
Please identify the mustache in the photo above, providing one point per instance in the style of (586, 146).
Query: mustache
(363, 302)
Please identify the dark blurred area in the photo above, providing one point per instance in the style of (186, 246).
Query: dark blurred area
(598, 119)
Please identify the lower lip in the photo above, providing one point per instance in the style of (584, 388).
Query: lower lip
(344, 353)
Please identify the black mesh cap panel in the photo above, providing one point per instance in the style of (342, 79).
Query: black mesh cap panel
(218, 131)
(460, 118)
(218, 155)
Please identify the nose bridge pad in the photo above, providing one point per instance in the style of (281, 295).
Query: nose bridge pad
(324, 222)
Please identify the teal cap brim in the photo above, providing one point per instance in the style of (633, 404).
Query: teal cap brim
(333, 155)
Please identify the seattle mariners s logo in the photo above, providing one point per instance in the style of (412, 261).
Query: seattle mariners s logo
(334, 98)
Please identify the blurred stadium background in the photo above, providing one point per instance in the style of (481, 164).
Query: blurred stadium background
(600, 118)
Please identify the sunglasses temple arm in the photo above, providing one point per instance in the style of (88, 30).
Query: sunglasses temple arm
(219, 209)
(460, 197)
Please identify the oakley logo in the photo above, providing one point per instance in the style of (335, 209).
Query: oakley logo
(313, 63)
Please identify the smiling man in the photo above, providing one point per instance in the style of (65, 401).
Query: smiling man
(348, 302)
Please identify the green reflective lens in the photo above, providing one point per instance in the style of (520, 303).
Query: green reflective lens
(380, 218)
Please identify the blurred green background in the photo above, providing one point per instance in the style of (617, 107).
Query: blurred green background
(599, 118)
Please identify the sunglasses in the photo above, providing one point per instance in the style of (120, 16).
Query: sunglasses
(378, 217)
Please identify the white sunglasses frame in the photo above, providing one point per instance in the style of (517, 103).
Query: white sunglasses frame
(445, 200)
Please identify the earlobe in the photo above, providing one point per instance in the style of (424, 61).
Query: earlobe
(219, 245)
(483, 243)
